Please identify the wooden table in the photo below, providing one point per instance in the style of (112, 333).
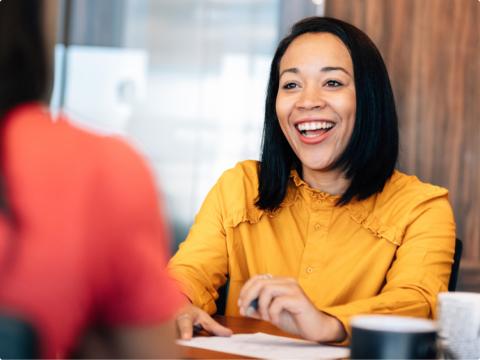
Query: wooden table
(238, 325)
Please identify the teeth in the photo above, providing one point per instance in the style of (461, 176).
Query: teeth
(315, 125)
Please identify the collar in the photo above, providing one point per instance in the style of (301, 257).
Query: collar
(302, 188)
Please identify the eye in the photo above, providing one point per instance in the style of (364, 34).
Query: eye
(289, 86)
(333, 83)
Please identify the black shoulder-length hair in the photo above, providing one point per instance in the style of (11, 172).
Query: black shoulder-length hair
(24, 73)
(371, 154)
(24, 70)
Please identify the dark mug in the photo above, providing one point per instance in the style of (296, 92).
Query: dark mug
(392, 337)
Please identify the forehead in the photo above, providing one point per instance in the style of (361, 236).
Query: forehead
(322, 49)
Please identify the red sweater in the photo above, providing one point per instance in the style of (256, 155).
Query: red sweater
(89, 245)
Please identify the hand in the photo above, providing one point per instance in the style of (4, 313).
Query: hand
(282, 302)
(192, 315)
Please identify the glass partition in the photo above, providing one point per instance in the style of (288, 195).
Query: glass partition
(183, 80)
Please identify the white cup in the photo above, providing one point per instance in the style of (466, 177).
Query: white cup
(459, 323)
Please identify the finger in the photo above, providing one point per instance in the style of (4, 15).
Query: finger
(185, 326)
(213, 327)
(281, 316)
(253, 288)
(275, 308)
(267, 290)
(246, 287)
(255, 279)
(252, 313)
(248, 295)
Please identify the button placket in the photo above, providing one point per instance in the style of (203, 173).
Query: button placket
(320, 214)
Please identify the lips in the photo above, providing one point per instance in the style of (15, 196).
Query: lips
(314, 131)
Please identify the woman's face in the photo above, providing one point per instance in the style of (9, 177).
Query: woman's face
(316, 100)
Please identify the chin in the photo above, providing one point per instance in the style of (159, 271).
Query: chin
(316, 165)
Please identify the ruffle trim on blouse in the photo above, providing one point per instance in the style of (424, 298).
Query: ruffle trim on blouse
(252, 214)
(391, 233)
(357, 212)
(373, 224)
(315, 194)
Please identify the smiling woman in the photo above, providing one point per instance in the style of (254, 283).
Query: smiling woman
(325, 212)
(316, 106)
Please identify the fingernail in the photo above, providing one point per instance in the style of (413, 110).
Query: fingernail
(250, 311)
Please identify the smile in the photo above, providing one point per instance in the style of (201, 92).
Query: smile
(312, 129)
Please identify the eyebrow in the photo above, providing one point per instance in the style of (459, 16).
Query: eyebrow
(324, 69)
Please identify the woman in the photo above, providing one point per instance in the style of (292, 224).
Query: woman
(324, 227)
(82, 240)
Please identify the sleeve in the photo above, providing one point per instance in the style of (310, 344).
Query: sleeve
(135, 288)
(201, 264)
(420, 270)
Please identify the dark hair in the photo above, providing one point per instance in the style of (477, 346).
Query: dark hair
(371, 154)
(23, 61)
(24, 70)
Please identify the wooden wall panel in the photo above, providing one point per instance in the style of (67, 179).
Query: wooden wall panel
(432, 51)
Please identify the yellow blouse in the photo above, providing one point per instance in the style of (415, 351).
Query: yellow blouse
(389, 254)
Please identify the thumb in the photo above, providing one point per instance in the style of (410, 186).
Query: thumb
(213, 327)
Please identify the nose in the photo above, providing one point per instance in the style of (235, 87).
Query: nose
(311, 98)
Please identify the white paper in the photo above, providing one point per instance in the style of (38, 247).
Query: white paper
(260, 345)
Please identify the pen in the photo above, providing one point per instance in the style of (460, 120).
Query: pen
(252, 307)
(254, 304)
(197, 328)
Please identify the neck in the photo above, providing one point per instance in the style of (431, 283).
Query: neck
(332, 182)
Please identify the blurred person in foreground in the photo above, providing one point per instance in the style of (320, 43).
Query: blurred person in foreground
(323, 227)
(82, 239)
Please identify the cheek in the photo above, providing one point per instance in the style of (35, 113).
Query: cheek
(282, 112)
(279, 105)
(346, 106)
(352, 116)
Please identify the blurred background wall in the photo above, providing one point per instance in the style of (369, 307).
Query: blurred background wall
(185, 80)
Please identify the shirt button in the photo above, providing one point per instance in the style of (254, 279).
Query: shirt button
(309, 270)
(317, 226)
